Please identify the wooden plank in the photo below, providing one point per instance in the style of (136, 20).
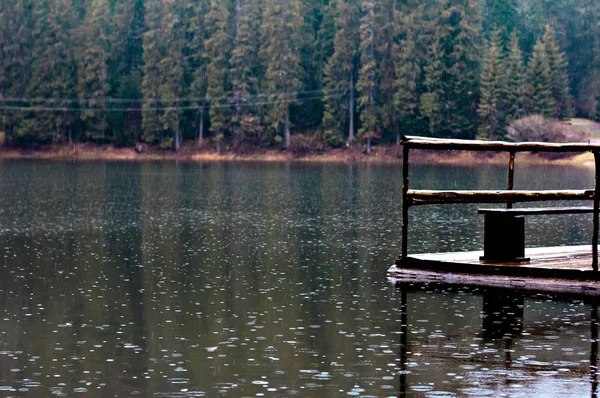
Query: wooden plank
(401, 275)
(539, 211)
(555, 269)
(422, 197)
(558, 258)
(415, 142)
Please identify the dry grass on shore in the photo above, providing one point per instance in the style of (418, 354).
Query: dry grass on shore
(380, 155)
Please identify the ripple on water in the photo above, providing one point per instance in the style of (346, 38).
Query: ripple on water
(179, 380)
(421, 388)
(439, 394)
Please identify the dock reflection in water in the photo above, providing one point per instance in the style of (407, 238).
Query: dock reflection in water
(501, 360)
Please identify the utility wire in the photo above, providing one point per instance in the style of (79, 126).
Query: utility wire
(154, 100)
(167, 108)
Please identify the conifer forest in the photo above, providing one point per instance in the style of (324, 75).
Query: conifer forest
(268, 72)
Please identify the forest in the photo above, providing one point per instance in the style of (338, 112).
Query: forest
(279, 73)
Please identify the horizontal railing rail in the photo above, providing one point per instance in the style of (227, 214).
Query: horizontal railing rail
(539, 211)
(472, 145)
(424, 197)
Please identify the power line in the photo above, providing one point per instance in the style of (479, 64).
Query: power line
(155, 100)
(154, 109)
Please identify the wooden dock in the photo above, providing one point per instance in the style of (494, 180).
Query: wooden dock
(563, 269)
(505, 260)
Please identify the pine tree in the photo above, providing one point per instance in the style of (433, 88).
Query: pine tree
(218, 48)
(531, 23)
(539, 83)
(430, 105)
(325, 40)
(154, 51)
(386, 36)
(125, 71)
(491, 86)
(196, 61)
(53, 69)
(367, 77)
(514, 79)
(244, 67)
(92, 67)
(281, 41)
(501, 15)
(309, 114)
(15, 58)
(163, 73)
(558, 75)
(173, 64)
(339, 76)
(581, 44)
(406, 96)
(460, 34)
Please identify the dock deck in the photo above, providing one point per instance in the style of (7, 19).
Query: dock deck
(505, 261)
(557, 269)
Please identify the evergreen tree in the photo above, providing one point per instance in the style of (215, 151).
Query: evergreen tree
(406, 96)
(502, 15)
(244, 67)
(581, 43)
(15, 58)
(125, 69)
(218, 48)
(367, 78)
(173, 28)
(339, 77)
(92, 67)
(558, 75)
(430, 104)
(491, 89)
(196, 61)
(163, 73)
(386, 36)
(154, 52)
(539, 83)
(460, 35)
(532, 19)
(53, 69)
(325, 41)
(514, 80)
(309, 114)
(281, 41)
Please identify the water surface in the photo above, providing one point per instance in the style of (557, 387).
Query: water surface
(251, 279)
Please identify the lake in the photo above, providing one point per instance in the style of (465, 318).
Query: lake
(253, 279)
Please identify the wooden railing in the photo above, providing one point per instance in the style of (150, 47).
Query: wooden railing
(412, 197)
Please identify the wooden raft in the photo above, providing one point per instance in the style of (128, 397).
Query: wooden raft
(504, 253)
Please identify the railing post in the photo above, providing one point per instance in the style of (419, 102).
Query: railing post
(405, 201)
(596, 210)
(511, 176)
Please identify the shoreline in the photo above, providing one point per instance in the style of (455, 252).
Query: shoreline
(383, 154)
